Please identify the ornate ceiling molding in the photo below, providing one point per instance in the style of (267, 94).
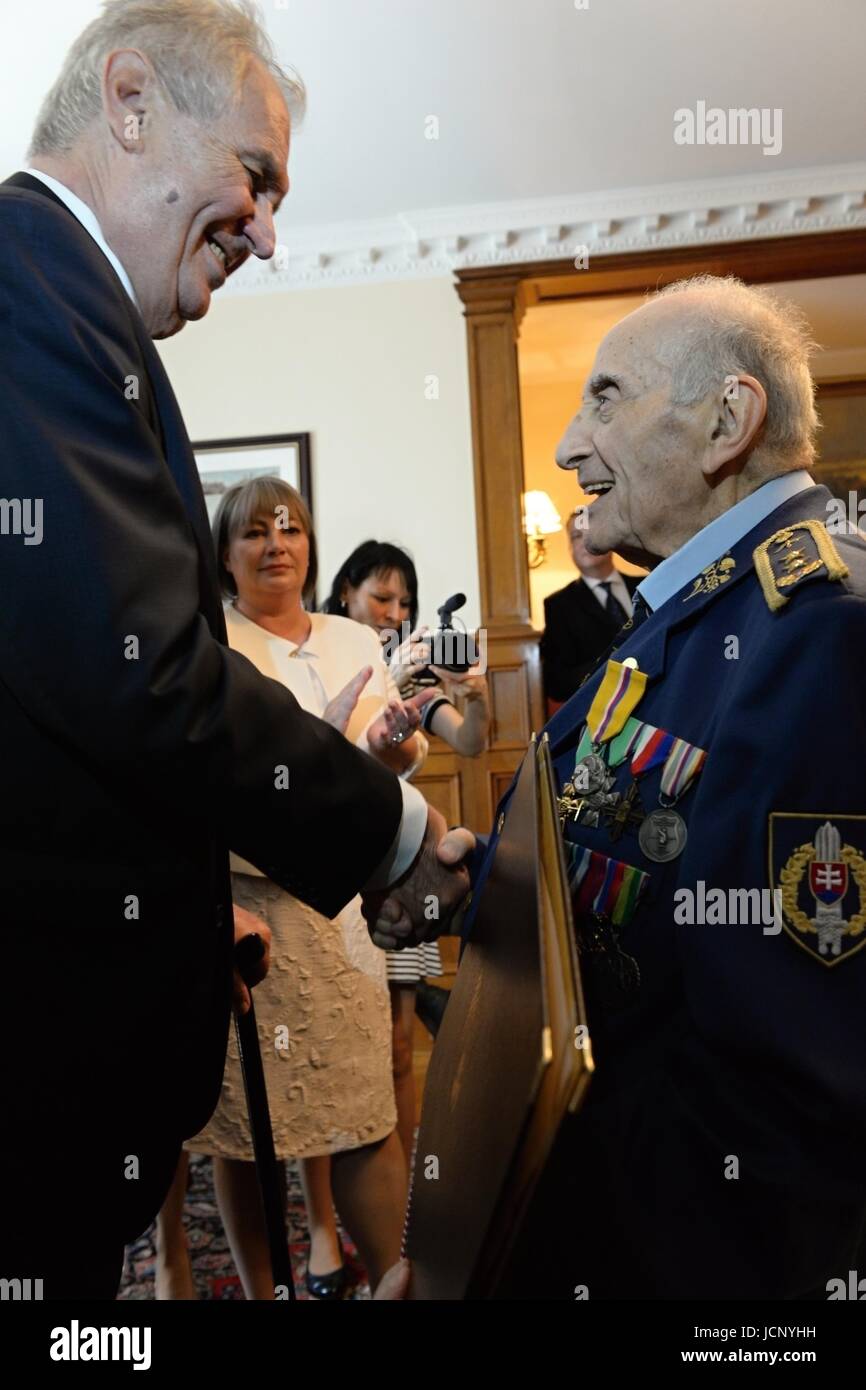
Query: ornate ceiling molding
(436, 242)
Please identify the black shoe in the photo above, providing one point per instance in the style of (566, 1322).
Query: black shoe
(328, 1287)
(430, 1002)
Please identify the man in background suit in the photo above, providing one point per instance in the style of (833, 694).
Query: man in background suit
(137, 749)
(583, 618)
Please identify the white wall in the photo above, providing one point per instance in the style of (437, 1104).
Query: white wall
(349, 365)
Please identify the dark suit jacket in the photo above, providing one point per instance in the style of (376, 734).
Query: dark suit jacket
(576, 631)
(136, 747)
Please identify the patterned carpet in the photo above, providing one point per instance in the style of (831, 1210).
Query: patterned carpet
(212, 1264)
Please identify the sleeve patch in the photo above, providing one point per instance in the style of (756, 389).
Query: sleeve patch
(818, 872)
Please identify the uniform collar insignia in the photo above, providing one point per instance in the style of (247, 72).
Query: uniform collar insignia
(719, 572)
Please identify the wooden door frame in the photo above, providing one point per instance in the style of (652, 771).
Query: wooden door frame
(495, 299)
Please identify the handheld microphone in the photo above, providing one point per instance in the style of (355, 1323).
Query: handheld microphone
(448, 647)
(450, 606)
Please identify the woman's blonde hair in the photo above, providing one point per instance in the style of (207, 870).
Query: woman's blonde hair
(261, 497)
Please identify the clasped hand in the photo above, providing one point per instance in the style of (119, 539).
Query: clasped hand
(430, 897)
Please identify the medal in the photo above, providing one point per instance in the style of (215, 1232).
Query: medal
(662, 835)
(610, 737)
(629, 812)
(646, 746)
(616, 976)
(587, 794)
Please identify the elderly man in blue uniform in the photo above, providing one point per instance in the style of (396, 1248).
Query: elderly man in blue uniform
(711, 774)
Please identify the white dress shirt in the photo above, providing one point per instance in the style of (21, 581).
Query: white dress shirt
(716, 539)
(87, 217)
(617, 588)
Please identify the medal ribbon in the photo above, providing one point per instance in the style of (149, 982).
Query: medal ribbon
(621, 689)
(643, 743)
(649, 747)
(606, 886)
(683, 764)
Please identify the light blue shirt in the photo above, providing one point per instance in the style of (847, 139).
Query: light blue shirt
(87, 217)
(715, 540)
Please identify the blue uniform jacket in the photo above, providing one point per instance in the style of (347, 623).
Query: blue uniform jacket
(722, 1144)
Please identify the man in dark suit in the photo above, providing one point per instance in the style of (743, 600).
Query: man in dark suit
(136, 748)
(583, 618)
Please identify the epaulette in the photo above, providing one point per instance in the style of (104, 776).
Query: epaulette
(800, 551)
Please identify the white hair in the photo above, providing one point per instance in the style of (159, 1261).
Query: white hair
(733, 328)
(198, 48)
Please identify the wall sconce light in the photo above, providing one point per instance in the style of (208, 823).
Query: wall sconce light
(540, 519)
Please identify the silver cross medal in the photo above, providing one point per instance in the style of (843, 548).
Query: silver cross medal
(587, 794)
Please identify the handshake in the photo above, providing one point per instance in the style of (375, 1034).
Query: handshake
(431, 896)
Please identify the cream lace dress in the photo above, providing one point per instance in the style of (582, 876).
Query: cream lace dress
(323, 1011)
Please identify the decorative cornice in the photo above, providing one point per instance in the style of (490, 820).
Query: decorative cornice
(437, 242)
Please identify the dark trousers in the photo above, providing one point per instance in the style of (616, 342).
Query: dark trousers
(65, 1217)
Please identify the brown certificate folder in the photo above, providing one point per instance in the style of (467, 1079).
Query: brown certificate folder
(511, 1060)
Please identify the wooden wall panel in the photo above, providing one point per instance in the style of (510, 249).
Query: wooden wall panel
(509, 704)
(442, 789)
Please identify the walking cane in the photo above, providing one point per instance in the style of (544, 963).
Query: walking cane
(248, 952)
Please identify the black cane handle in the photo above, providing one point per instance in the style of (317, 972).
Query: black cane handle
(248, 953)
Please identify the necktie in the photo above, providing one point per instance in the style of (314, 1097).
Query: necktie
(640, 611)
(613, 605)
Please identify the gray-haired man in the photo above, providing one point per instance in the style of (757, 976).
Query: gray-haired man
(137, 748)
(714, 825)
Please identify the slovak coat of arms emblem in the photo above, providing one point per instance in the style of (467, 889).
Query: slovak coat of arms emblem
(822, 882)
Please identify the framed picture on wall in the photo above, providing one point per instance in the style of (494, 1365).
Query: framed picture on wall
(223, 462)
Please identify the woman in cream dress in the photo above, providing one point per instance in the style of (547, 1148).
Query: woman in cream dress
(323, 1010)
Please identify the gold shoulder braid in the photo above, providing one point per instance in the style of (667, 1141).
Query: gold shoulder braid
(793, 554)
